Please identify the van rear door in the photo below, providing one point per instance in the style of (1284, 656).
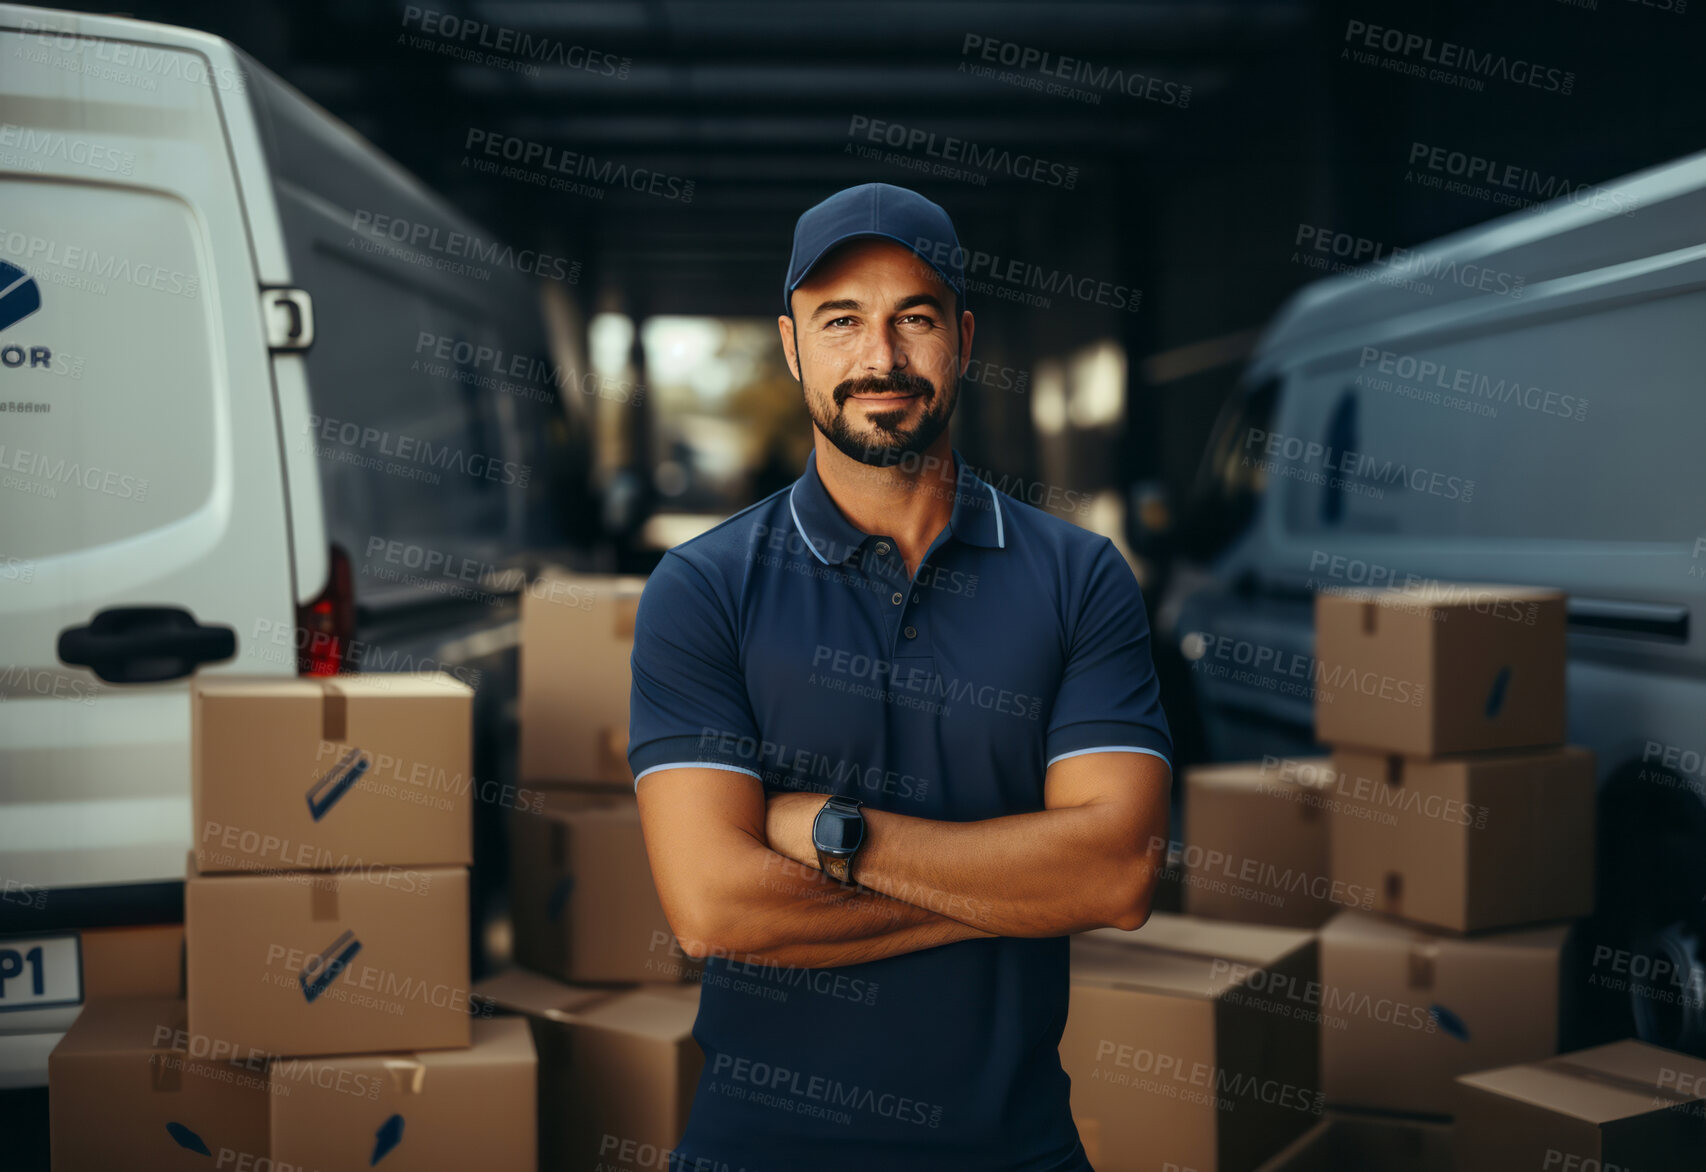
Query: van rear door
(144, 529)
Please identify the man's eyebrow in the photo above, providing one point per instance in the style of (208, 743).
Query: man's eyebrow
(918, 299)
(901, 306)
(835, 306)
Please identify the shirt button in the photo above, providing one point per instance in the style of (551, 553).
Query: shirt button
(897, 598)
(883, 548)
(912, 632)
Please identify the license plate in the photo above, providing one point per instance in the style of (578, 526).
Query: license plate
(40, 971)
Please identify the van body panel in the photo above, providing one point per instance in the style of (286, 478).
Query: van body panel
(1537, 432)
(154, 477)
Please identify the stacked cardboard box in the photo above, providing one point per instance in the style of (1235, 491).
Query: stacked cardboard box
(577, 635)
(617, 1067)
(326, 1021)
(583, 906)
(609, 994)
(1256, 844)
(1192, 1044)
(1454, 804)
(1626, 1105)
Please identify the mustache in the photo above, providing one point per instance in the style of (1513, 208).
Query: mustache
(899, 381)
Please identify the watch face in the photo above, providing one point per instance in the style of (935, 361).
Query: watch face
(836, 831)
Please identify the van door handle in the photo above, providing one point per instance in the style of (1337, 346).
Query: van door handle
(144, 644)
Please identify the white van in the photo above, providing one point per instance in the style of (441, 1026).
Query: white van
(1519, 402)
(227, 385)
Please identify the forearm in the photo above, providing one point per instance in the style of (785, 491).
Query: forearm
(770, 908)
(1044, 873)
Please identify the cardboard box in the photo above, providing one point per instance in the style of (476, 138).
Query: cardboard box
(583, 904)
(577, 636)
(129, 1087)
(431, 1111)
(1185, 1045)
(617, 1070)
(1405, 1011)
(1349, 1142)
(1625, 1107)
(320, 773)
(330, 962)
(1442, 669)
(1256, 843)
(143, 961)
(1493, 840)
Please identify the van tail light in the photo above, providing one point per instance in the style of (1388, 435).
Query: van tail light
(325, 627)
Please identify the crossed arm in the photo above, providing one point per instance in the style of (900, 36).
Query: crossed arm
(737, 874)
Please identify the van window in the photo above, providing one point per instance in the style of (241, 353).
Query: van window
(1581, 428)
(110, 385)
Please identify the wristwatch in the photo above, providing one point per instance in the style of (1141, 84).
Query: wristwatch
(837, 833)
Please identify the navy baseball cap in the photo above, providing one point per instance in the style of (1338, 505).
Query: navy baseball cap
(880, 210)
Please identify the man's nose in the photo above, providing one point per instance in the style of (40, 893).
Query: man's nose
(882, 352)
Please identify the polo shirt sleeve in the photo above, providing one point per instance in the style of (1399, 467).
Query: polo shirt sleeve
(688, 703)
(1109, 699)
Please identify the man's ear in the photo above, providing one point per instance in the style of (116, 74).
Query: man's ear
(790, 347)
(968, 326)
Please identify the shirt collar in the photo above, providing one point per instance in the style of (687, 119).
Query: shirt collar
(977, 517)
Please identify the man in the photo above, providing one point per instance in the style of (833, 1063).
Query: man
(894, 735)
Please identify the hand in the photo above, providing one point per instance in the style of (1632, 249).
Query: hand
(788, 819)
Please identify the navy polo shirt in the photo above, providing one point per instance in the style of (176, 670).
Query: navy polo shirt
(787, 644)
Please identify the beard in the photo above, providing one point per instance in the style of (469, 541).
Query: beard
(887, 440)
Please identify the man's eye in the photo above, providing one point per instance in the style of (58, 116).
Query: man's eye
(840, 321)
